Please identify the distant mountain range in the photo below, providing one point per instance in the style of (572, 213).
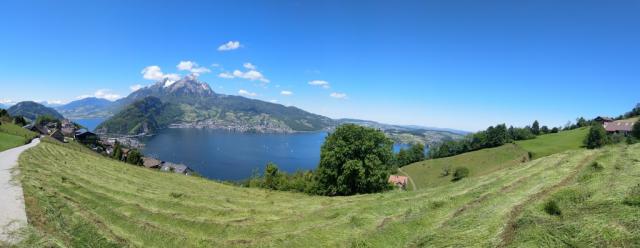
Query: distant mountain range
(31, 110)
(408, 134)
(191, 103)
(89, 107)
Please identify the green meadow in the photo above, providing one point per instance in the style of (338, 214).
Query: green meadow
(76, 198)
(547, 144)
(13, 136)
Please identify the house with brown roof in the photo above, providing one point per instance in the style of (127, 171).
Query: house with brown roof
(399, 181)
(603, 119)
(619, 126)
(149, 162)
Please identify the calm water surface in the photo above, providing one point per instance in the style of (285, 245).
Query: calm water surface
(90, 124)
(226, 155)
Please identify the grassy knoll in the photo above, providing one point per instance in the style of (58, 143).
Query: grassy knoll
(594, 208)
(427, 173)
(78, 198)
(12, 136)
(548, 144)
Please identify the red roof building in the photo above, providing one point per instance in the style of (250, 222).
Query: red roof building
(400, 181)
(621, 126)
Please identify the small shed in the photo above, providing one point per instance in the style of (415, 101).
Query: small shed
(86, 137)
(399, 181)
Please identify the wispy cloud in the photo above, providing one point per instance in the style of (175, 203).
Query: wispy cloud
(192, 67)
(320, 83)
(135, 87)
(243, 92)
(338, 95)
(231, 45)
(250, 74)
(102, 93)
(286, 93)
(273, 101)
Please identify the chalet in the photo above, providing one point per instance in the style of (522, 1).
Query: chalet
(37, 128)
(602, 119)
(620, 126)
(177, 168)
(68, 128)
(85, 137)
(399, 181)
(151, 163)
(57, 134)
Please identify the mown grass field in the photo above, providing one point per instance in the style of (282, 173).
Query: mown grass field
(80, 199)
(548, 144)
(427, 173)
(13, 136)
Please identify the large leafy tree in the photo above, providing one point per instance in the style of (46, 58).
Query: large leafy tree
(354, 160)
(597, 137)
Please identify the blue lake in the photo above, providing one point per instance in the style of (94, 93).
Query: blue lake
(90, 124)
(227, 155)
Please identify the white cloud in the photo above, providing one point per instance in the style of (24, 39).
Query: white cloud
(231, 45)
(56, 102)
(286, 93)
(320, 83)
(338, 95)
(154, 72)
(273, 101)
(249, 66)
(215, 65)
(6, 101)
(135, 87)
(102, 93)
(225, 75)
(251, 74)
(192, 67)
(243, 92)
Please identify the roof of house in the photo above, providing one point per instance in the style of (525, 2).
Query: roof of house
(603, 118)
(177, 168)
(622, 125)
(398, 179)
(151, 162)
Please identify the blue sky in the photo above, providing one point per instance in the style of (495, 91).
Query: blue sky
(456, 64)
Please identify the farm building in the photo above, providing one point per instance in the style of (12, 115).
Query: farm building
(620, 126)
(398, 181)
(151, 162)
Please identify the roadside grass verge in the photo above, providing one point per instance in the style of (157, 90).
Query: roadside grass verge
(12, 136)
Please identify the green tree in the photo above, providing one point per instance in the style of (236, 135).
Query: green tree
(20, 121)
(555, 130)
(117, 151)
(635, 131)
(544, 129)
(597, 137)
(535, 128)
(354, 160)
(134, 157)
(271, 176)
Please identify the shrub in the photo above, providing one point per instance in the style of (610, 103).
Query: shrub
(635, 131)
(460, 173)
(633, 197)
(596, 138)
(445, 171)
(552, 208)
(597, 166)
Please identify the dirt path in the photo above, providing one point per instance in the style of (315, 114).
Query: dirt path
(509, 231)
(12, 213)
(410, 180)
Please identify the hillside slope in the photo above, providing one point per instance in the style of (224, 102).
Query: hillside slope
(31, 110)
(547, 144)
(82, 199)
(89, 107)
